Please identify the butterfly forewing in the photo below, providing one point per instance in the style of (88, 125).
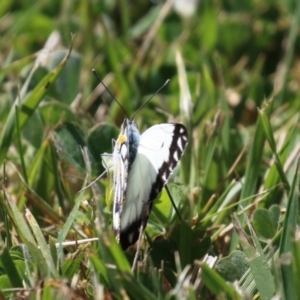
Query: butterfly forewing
(159, 151)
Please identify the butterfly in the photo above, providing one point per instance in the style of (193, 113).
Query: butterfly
(141, 167)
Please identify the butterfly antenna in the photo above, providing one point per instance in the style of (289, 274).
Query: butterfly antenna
(98, 77)
(168, 80)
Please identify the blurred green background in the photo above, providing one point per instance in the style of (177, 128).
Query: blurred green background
(234, 83)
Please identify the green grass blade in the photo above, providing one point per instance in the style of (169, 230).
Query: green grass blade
(291, 45)
(290, 285)
(72, 264)
(25, 234)
(185, 115)
(28, 106)
(35, 199)
(69, 223)
(43, 246)
(17, 65)
(257, 260)
(252, 171)
(254, 162)
(135, 289)
(17, 218)
(21, 150)
(269, 135)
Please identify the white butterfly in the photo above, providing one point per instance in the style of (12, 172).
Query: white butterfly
(141, 167)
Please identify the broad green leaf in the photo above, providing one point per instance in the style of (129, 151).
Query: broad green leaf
(5, 284)
(9, 267)
(54, 112)
(163, 208)
(34, 129)
(216, 284)
(99, 141)
(67, 83)
(69, 140)
(257, 261)
(233, 266)
(263, 223)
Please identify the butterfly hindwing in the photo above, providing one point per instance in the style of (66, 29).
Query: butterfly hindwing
(156, 156)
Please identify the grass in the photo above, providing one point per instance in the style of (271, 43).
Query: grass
(226, 225)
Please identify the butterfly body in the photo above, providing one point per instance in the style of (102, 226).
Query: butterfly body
(142, 165)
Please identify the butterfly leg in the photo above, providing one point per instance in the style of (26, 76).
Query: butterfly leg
(139, 242)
